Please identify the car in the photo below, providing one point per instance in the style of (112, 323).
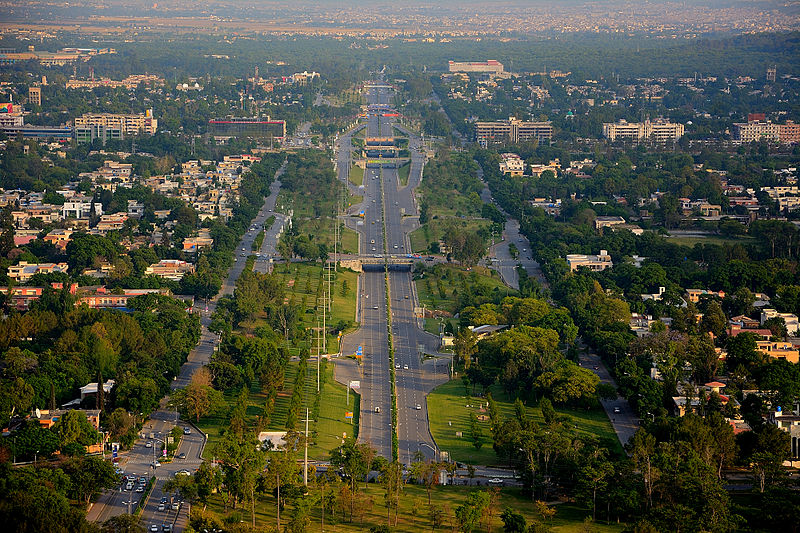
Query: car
(243, 249)
(154, 527)
(129, 486)
(374, 306)
(418, 407)
(373, 248)
(397, 366)
(373, 221)
(395, 247)
(181, 455)
(162, 507)
(372, 242)
(155, 464)
(406, 296)
(148, 444)
(140, 488)
(176, 505)
(405, 367)
(187, 430)
(596, 367)
(142, 480)
(164, 500)
(617, 410)
(183, 473)
(166, 527)
(243, 254)
(496, 481)
(377, 409)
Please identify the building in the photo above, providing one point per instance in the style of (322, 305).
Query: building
(512, 131)
(171, 269)
(790, 423)
(758, 130)
(106, 126)
(21, 298)
(301, 78)
(512, 164)
(490, 66)
(63, 57)
(248, 127)
(659, 130)
(24, 271)
(778, 350)
(131, 82)
(595, 263)
(35, 95)
(694, 295)
(80, 208)
(790, 319)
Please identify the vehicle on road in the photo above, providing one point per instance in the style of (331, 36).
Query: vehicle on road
(129, 486)
(166, 527)
(149, 444)
(377, 409)
(397, 366)
(164, 500)
(181, 455)
(154, 527)
(617, 410)
(176, 505)
(496, 481)
(183, 473)
(374, 306)
(140, 488)
(405, 367)
(161, 507)
(406, 296)
(187, 430)
(418, 407)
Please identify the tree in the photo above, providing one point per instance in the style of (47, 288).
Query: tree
(513, 522)
(476, 433)
(427, 473)
(88, 476)
(470, 512)
(199, 398)
(74, 427)
(714, 319)
(392, 480)
(464, 346)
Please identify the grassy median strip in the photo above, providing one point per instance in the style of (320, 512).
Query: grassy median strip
(395, 439)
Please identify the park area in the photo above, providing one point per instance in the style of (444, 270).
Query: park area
(415, 514)
(449, 410)
(441, 286)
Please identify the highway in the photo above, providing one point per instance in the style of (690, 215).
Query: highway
(139, 459)
(413, 378)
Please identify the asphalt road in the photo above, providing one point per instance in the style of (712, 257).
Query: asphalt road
(139, 459)
(413, 378)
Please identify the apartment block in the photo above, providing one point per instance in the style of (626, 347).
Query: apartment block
(595, 263)
(512, 130)
(659, 130)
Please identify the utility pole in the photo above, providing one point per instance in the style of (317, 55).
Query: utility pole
(305, 453)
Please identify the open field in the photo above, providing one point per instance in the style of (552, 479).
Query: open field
(403, 172)
(439, 287)
(449, 403)
(356, 175)
(414, 512)
(434, 230)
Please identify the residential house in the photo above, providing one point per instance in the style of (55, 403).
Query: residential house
(791, 320)
(172, 269)
(24, 271)
(694, 295)
(595, 263)
(779, 350)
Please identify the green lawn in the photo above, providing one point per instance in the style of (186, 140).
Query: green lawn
(414, 512)
(403, 172)
(349, 240)
(452, 278)
(326, 431)
(447, 405)
(434, 230)
(356, 175)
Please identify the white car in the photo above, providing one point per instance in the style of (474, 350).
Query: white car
(418, 407)
(405, 367)
(496, 481)
(149, 444)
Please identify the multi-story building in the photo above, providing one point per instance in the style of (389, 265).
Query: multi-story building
(758, 130)
(491, 66)
(595, 263)
(172, 269)
(659, 130)
(512, 130)
(512, 164)
(105, 126)
(35, 95)
(24, 271)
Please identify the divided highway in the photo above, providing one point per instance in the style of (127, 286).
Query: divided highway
(390, 206)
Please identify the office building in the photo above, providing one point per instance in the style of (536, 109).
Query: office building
(105, 126)
(491, 66)
(35, 95)
(595, 263)
(512, 130)
(659, 130)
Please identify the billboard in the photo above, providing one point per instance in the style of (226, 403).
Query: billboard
(7, 107)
